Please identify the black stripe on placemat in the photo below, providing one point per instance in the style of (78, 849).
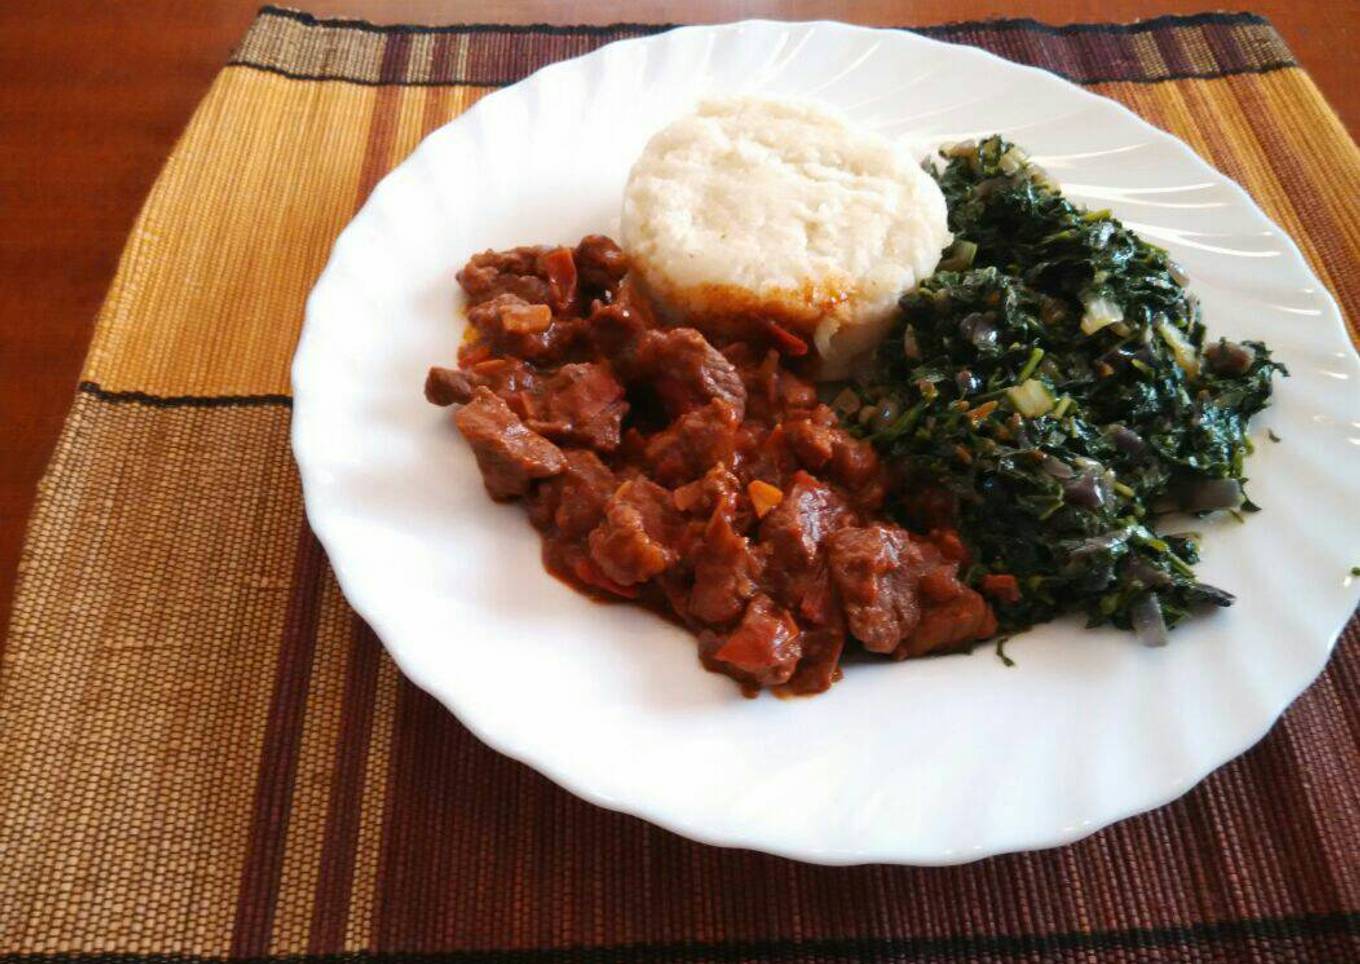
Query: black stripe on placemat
(1083, 79)
(1087, 80)
(367, 81)
(967, 32)
(183, 401)
(1310, 927)
(601, 30)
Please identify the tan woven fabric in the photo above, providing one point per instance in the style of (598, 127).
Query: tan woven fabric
(204, 754)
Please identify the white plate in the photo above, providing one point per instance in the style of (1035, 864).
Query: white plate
(932, 761)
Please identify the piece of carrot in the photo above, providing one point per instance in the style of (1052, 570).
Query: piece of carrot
(764, 497)
(982, 411)
(1001, 586)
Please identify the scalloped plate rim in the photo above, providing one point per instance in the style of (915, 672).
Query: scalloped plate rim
(320, 514)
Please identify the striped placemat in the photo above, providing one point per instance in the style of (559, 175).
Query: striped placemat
(205, 756)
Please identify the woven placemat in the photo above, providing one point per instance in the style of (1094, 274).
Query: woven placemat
(204, 755)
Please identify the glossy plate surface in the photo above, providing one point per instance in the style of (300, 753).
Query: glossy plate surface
(932, 761)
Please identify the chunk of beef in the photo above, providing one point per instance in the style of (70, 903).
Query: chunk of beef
(854, 463)
(718, 489)
(580, 404)
(948, 625)
(902, 595)
(613, 331)
(508, 315)
(797, 573)
(600, 264)
(510, 378)
(559, 267)
(813, 444)
(820, 665)
(726, 570)
(765, 455)
(763, 650)
(694, 443)
(809, 511)
(813, 593)
(509, 454)
(639, 537)
(572, 502)
(572, 561)
(772, 391)
(517, 272)
(685, 370)
(509, 325)
(446, 386)
(876, 568)
(821, 445)
(939, 581)
(613, 328)
(795, 394)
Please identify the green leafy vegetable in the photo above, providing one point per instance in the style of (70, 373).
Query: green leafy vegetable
(1056, 391)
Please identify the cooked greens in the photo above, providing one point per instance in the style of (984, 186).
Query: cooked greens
(1050, 390)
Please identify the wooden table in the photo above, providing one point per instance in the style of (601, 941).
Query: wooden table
(95, 94)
